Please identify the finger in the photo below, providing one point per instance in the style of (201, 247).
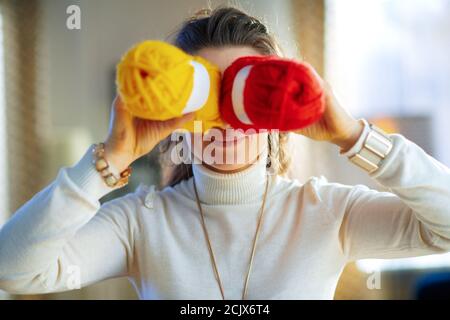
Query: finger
(122, 116)
(120, 106)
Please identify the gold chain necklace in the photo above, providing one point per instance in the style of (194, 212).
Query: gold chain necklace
(211, 253)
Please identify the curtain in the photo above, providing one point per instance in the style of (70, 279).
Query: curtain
(26, 117)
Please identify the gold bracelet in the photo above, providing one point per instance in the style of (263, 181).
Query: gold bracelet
(102, 166)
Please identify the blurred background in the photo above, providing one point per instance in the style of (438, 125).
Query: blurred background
(388, 61)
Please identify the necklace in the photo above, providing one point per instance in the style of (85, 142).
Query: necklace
(211, 253)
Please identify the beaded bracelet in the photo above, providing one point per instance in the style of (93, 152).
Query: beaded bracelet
(102, 166)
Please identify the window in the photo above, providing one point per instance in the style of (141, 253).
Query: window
(389, 59)
(4, 209)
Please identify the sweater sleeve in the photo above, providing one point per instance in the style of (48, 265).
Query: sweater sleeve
(63, 239)
(411, 219)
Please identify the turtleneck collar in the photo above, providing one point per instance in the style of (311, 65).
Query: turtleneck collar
(245, 186)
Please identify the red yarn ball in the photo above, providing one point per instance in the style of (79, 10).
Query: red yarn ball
(271, 93)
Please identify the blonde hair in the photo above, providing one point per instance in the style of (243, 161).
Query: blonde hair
(216, 28)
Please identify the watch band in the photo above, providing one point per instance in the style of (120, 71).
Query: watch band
(376, 147)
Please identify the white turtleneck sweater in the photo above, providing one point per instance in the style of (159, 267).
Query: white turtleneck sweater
(310, 231)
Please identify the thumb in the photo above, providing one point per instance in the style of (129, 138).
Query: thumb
(121, 115)
(121, 107)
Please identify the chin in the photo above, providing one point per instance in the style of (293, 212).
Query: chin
(227, 168)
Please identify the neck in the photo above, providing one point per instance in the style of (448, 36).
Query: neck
(242, 185)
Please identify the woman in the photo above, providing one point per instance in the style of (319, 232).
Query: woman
(227, 231)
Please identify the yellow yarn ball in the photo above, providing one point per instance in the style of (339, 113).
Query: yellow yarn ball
(155, 81)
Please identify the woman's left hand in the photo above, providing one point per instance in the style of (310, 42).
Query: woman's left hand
(336, 125)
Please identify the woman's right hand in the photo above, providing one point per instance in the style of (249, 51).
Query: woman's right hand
(130, 137)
